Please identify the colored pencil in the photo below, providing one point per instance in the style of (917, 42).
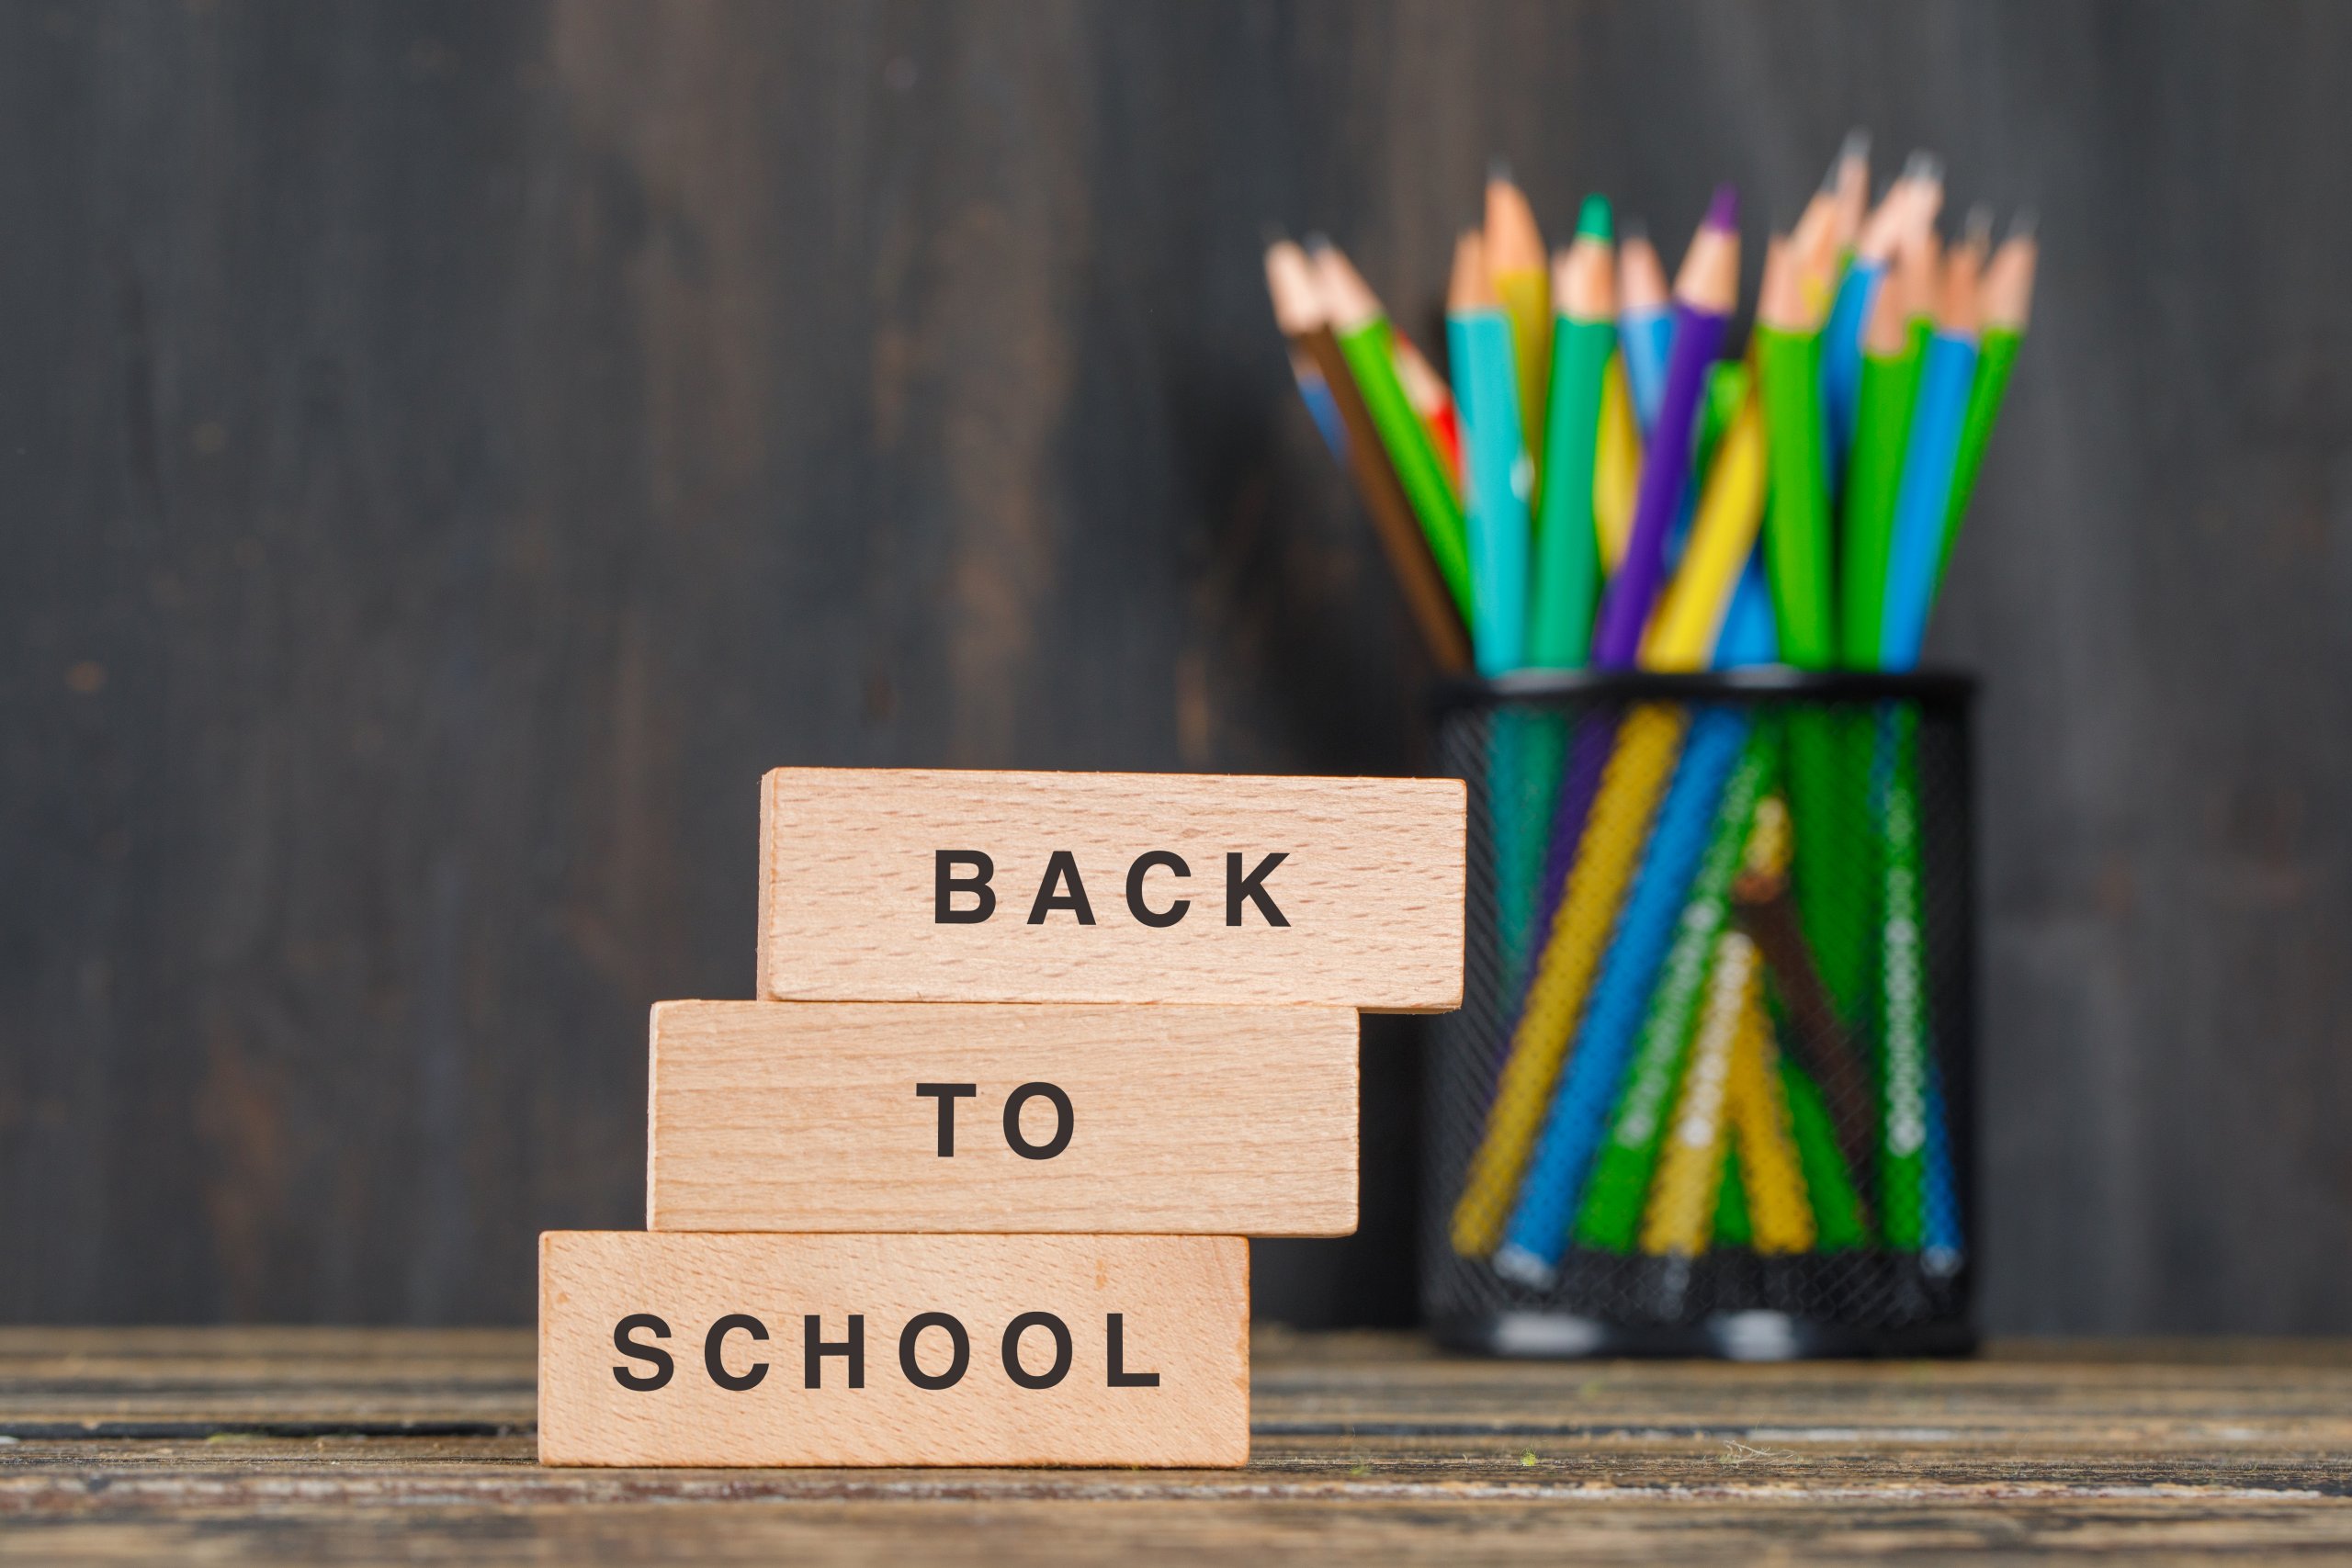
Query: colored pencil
(1876, 478)
(1617, 465)
(1426, 391)
(1611, 1215)
(1615, 832)
(1923, 501)
(1478, 337)
(1567, 544)
(1704, 295)
(1678, 1217)
(1691, 618)
(1550, 1193)
(2007, 301)
(1645, 323)
(1520, 275)
(1797, 542)
(1780, 1216)
(1300, 311)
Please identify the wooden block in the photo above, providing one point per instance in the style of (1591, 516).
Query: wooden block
(880, 1116)
(1131, 1349)
(922, 885)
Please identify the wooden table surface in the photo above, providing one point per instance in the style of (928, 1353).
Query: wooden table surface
(346, 1445)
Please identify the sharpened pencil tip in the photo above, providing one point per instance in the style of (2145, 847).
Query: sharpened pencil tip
(1637, 232)
(1856, 145)
(1723, 211)
(1593, 221)
(1979, 228)
(1498, 171)
(2023, 225)
(1317, 243)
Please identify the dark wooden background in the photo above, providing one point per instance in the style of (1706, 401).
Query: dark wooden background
(448, 451)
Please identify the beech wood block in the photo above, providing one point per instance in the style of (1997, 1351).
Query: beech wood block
(663, 1348)
(928, 886)
(885, 1116)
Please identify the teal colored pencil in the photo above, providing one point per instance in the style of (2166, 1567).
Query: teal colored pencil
(1499, 475)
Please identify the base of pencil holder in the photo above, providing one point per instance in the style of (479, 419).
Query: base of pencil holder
(1710, 1091)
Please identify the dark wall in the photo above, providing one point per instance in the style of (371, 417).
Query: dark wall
(447, 452)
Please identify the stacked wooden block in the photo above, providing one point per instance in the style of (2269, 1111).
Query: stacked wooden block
(970, 1186)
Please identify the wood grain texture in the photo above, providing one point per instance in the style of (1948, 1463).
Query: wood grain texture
(1277, 890)
(806, 1116)
(1172, 1309)
(455, 447)
(258, 1446)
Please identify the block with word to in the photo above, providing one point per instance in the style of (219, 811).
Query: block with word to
(669, 1349)
(881, 1116)
(924, 885)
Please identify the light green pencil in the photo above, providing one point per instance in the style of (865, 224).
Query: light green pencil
(1365, 338)
(2009, 299)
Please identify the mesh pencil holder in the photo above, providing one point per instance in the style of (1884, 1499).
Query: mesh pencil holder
(1709, 1090)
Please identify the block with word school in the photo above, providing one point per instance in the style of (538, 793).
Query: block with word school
(667, 1348)
(931, 885)
(879, 1116)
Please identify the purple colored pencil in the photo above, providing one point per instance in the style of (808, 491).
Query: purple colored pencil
(1703, 296)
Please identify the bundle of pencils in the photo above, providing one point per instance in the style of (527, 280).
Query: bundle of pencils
(1719, 1039)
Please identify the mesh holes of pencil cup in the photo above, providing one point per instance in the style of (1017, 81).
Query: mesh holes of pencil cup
(1708, 1092)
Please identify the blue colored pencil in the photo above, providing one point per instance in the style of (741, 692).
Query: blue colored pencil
(1923, 503)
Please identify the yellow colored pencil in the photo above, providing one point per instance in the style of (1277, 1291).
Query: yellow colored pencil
(1616, 465)
(1680, 1217)
(1778, 1214)
(1681, 633)
(1615, 835)
(1520, 270)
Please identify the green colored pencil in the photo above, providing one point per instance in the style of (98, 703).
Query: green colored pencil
(1567, 547)
(1837, 1209)
(1365, 338)
(2009, 299)
(1797, 543)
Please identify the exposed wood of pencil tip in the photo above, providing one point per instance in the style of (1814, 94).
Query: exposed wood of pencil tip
(1514, 243)
(1298, 294)
(1584, 281)
(1850, 186)
(2008, 293)
(1347, 298)
(1471, 285)
(1888, 331)
(1641, 276)
(1710, 276)
(1918, 259)
(1883, 228)
(1959, 302)
(1780, 301)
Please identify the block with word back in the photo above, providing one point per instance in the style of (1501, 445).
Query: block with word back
(862, 1116)
(927, 886)
(669, 1349)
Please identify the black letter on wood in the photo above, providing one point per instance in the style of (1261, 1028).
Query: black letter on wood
(1116, 1331)
(815, 1347)
(1136, 906)
(955, 1364)
(1051, 1147)
(1238, 887)
(947, 1095)
(715, 1342)
(1022, 1324)
(652, 1355)
(946, 884)
(1062, 868)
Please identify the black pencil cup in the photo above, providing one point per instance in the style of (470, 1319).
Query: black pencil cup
(1710, 1090)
